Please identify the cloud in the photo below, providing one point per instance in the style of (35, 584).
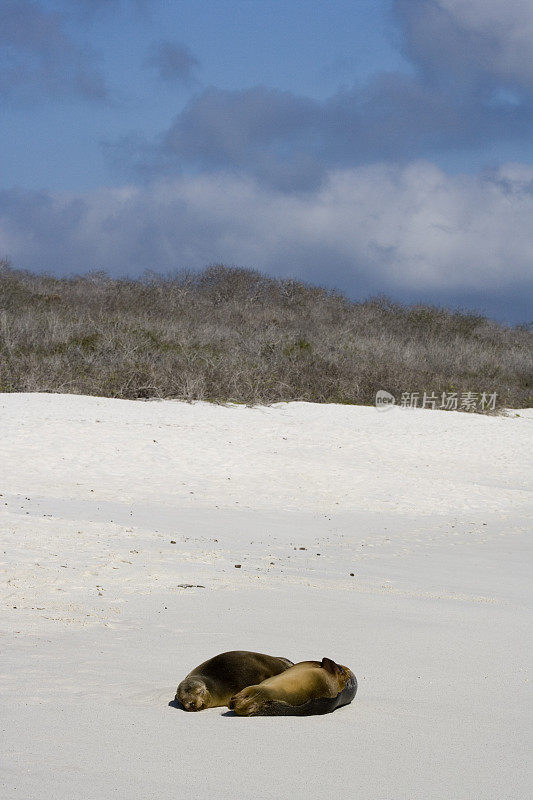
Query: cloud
(472, 41)
(173, 62)
(39, 59)
(289, 142)
(470, 89)
(412, 231)
(106, 5)
(262, 132)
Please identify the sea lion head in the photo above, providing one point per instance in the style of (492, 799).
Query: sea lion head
(343, 676)
(193, 694)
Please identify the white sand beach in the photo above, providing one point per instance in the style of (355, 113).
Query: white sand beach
(121, 525)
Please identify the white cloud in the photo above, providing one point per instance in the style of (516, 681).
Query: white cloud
(377, 228)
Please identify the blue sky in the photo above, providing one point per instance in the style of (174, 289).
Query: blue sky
(378, 147)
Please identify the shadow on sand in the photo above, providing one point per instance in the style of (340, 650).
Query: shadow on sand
(178, 705)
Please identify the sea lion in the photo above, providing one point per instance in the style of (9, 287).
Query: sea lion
(214, 682)
(310, 687)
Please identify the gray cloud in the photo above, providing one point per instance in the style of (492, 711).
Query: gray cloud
(475, 42)
(38, 58)
(261, 132)
(106, 5)
(471, 89)
(410, 231)
(290, 142)
(173, 62)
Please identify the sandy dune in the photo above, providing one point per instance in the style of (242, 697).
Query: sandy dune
(121, 526)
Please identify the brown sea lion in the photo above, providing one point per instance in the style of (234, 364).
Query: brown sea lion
(310, 687)
(214, 682)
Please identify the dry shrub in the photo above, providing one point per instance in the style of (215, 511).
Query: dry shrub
(228, 334)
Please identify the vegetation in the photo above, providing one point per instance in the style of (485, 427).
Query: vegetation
(236, 335)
